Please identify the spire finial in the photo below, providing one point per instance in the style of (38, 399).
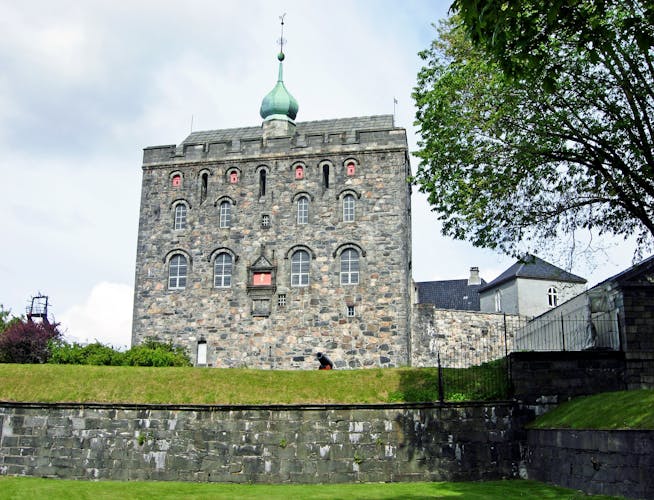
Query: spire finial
(281, 40)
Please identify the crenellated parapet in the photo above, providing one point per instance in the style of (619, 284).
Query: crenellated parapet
(212, 145)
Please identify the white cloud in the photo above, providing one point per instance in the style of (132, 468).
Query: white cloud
(105, 316)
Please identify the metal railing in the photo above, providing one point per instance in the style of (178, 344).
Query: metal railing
(480, 370)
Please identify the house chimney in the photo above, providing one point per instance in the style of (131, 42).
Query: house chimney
(474, 278)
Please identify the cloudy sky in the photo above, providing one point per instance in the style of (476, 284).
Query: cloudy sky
(85, 86)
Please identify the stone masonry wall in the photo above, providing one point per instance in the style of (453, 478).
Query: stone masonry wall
(463, 338)
(313, 318)
(554, 377)
(617, 463)
(292, 444)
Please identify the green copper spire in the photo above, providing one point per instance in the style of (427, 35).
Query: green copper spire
(279, 104)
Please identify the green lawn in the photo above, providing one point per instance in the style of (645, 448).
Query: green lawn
(130, 384)
(53, 489)
(608, 410)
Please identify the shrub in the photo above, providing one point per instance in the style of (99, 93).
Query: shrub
(28, 342)
(154, 353)
(91, 354)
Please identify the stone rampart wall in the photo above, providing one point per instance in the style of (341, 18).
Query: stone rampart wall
(597, 462)
(553, 377)
(463, 338)
(298, 444)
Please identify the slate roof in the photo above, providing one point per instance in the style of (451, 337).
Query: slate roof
(377, 122)
(450, 294)
(532, 267)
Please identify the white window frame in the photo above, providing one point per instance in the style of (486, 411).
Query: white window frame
(552, 296)
(223, 267)
(350, 268)
(351, 311)
(225, 214)
(180, 216)
(303, 210)
(498, 301)
(177, 272)
(300, 268)
(349, 204)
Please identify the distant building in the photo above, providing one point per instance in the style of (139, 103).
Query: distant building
(529, 287)
(461, 294)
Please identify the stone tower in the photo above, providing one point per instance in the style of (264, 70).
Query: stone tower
(262, 246)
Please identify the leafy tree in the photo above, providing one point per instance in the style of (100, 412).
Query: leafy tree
(27, 342)
(523, 35)
(510, 160)
(6, 320)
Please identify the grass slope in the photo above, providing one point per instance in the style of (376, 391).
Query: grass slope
(53, 489)
(126, 384)
(609, 410)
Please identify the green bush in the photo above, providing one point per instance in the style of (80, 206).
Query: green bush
(150, 353)
(91, 354)
(154, 353)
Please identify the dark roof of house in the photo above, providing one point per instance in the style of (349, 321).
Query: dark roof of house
(450, 294)
(377, 122)
(532, 267)
(644, 265)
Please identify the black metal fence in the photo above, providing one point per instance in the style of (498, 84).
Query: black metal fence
(561, 333)
(480, 370)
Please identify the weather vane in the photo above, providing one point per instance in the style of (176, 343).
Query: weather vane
(281, 38)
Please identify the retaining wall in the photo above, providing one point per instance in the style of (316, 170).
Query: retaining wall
(597, 462)
(264, 444)
(543, 378)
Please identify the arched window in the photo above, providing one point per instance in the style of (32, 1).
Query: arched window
(348, 208)
(300, 268)
(262, 183)
(222, 271)
(176, 180)
(303, 210)
(325, 176)
(350, 267)
(552, 297)
(225, 214)
(299, 172)
(350, 168)
(177, 272)
(498, 301)
(233, 177)
(204, 183)
(180, 216)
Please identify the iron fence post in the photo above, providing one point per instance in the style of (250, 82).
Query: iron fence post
(509, 380)
(441, 392)
(562, 334)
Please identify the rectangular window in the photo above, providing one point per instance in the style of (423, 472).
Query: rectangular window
(348, 208)
(265, 221)
(303, 210)
(281, 300)
(225, 214)
(351, 312)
